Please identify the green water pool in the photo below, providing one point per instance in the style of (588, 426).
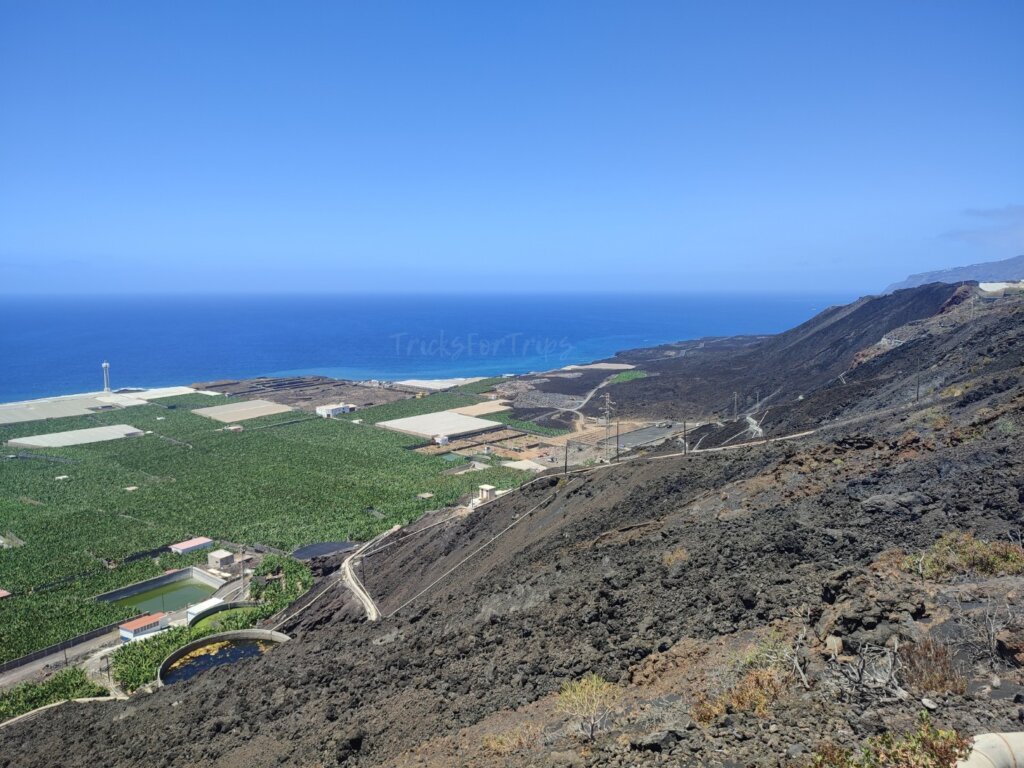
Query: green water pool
(170, 597)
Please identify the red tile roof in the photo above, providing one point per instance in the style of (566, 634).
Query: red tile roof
(142, 621)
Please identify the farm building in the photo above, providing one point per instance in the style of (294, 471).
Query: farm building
(330, 411)
(220, 558)
(191, 545)
(1002, 289)
(438, 385)
(249, 409)
(482, 409)
(194, 610)
(142, 626)
(525, 465)
(76, 437)
(85, 404)
(486, 493)
(446, 423)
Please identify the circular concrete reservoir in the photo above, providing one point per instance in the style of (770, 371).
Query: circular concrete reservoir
(216, 651)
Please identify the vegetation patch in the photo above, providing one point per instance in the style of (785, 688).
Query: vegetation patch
(624, 376)
(279, 581)
(526, 426)
(588, 700)
(417, 406)
(927, 747)
(513, 741)
(232, 618)
(958, 552)
(285, 486)
(673, 556)
(750, 684)
(135, 664)
(929, 666)
(479, 387)
(70, 683)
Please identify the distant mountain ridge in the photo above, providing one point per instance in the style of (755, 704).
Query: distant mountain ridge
(989, 271)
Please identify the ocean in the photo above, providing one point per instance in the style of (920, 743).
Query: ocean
(55, 345)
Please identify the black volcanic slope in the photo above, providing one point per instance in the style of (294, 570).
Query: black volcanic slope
(616, 570)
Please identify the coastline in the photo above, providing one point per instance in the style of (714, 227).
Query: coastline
(157, 342)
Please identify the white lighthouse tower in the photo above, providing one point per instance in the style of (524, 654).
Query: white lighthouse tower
(106, 376)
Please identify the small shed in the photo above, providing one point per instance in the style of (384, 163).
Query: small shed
(487, 493)
(194, 610)
(335, 409)
(191, 545)
(220, 558)
(142, 626)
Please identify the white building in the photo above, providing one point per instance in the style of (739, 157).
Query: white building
(330, 411)
(191, 545)
(144, 625)
(220, 558)
(429, 425)
(194, 610)
(487, 493)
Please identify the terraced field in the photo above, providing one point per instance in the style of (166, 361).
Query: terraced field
(286, 480)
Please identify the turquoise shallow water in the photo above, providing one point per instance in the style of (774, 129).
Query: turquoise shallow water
(54, 346)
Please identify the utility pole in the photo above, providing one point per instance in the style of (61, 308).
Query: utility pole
(917, 391)
(684, 437)
(758, 400)
(616, 439)
(607, 409)
(735, 405)
(566, 470)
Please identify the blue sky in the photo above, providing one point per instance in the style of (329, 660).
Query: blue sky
(379, 146)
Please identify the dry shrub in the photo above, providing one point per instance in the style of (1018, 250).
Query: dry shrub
(929, 666)
(959, 552)
(705, 710)
(513, 741)
(590, 700)
(673, 556)
(750, 684)
(927, 747)
(756, 690)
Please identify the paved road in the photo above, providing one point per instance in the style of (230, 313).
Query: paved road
(34, 670)
(348, 577)
(78, 653)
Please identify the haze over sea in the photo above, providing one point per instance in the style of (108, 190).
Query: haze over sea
(55, 345)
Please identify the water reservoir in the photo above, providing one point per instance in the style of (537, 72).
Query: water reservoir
(214, 655)
(170, 592)
(169, 597)
(215, 651)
